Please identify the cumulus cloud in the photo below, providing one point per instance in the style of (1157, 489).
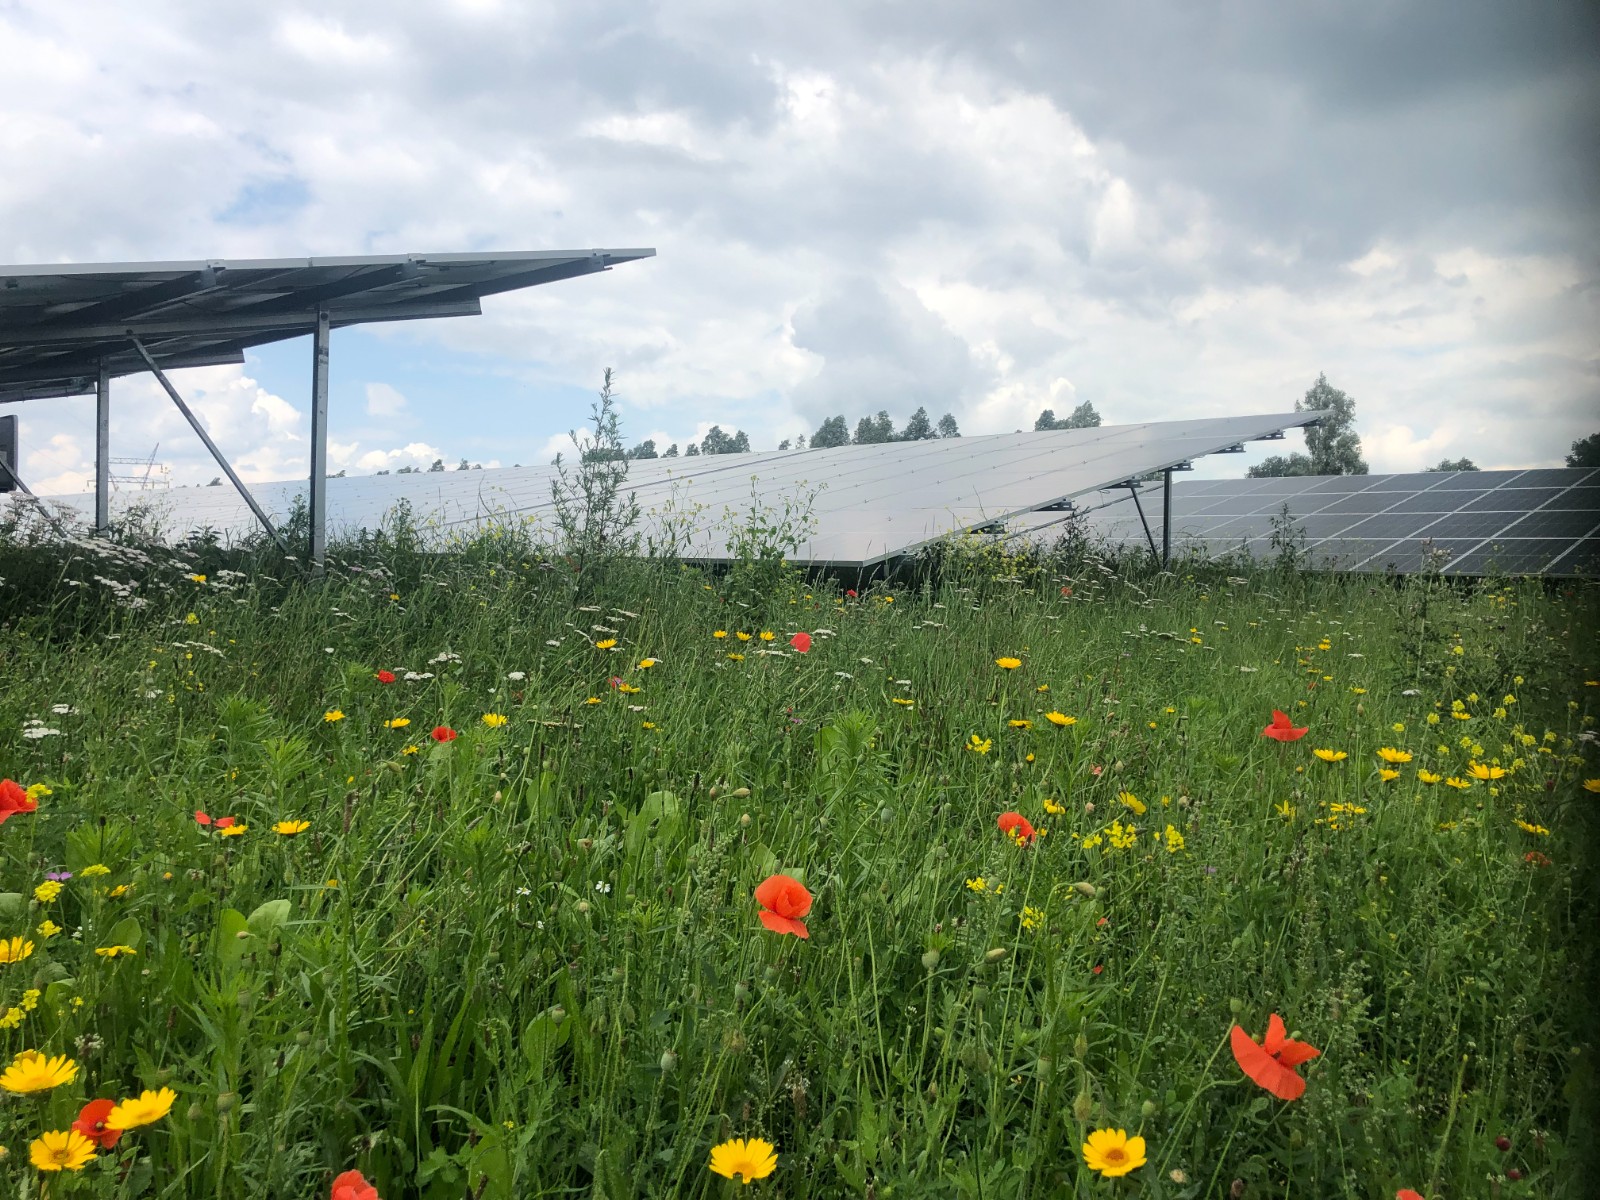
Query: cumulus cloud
(384, 400)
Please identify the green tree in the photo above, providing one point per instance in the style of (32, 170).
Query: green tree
(718, 442)
(594, 518)
(1082, 417)
(671, 451)
(947, 426)
(1585, 452)
(1333, 445)
(645, 449)
(1456, 464)
(874, 431)
(832, 432)
(1046, 420)
(918, 429)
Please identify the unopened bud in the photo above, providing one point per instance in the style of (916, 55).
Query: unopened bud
(1236, 1006)
(1147, 1109)
(196, 1111)
(1080, 1046)
(1084, 888)
(930, 960)
(1083, 1106)
(242, 935)
(669, 1062)
(995, 955)
(225, 1101)
(583, 907)
(741, 991)
(302, 1039)
(1178, 1176)
(558, 1014)
(741, 793)
(744, 820)
(1236, 1189)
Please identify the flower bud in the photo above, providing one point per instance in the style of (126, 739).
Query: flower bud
(583, 907)
(744, 820)
(1236, 1006)
(741, 991)
(196, 1111)
(1147, 1109)
(669, 1062)
(740, 793)
(225, 1101)
(558, 1014)
(302, 1039)
(930, 960)
(1080, 1046)
(995, 955)
(1083, 1106)
(1085, 888)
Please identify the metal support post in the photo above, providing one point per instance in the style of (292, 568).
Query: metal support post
(1166, 517)
(102, 452)
(1133, 487)
(319, 443)
(194, 423)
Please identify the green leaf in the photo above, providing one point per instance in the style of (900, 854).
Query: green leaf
(230, 946)
(13, 906)
(268, 917)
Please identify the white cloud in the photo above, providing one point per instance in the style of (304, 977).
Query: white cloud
(384, 400)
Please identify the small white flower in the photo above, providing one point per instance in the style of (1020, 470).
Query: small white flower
(524, 891)
(843, 675)
(327, 649)
(635, 708)
(1411, 692)
(602, 887)
(553, 642)
(1249, 670)
(868, 661)
(36, 732)
(63, 710)
(517, 676)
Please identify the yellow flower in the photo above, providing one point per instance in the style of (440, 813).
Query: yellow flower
(1390, 755)
(767, 635)
(410, 749)
(649, 724)
(94, 869)
(191, 619)
(1285, 810)
(149, 1108)
(1388, 774)
(1112, 1152)
(1398, 727)
(332, 715)
(47, 891)
(14, 950)
(31, 1071)
(38, 791)
(1043, 687)
(114, 951)
(646, 663)
(233, 831)
(1461, 716)
(1008, 664)
(979, 745)
(1359, 691)
(1429, 776)
(736, 657)
(1482, 771)
(1433, 718)
(742, 636)
(628, 689)
(749, 1160)
(65, 1149)
(1015, 723)
(1061, 719)
(902, 701)
(48, 929)
(1591, 785)
(1460, 785)
(719, 633)
(1031, 917)
(1331, 755)
(197, 579)
(494, 720)
(1174, 840)
(605, 643)
(980, 884)
(290, 828)
(1054, 809)
(1538, 829)
(397, 723)
(1129, 800)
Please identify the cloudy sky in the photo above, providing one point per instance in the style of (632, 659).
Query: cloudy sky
(1167, 210)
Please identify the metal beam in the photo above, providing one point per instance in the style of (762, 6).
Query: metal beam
(1166, 517)
(1133, 488)
(309, 299)
(217, 326)
(102, 452)
(135, 301)
(319, 443)
(565, 270)
(194, 423)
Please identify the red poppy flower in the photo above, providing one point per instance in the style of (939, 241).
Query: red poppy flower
(1408, 1194)
(851, 592)
(801, 642)
(385, 676)
(443, 733)
(784, 900)
(91, 1123)
(220, 822)
(1017, 826)
(1283, 729)
(353, 1185)
(14, 800)
(1271, 1063)
(1537, 859)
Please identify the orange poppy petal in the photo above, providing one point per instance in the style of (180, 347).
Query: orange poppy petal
(783, 924)
(1408, 1194)
(1293, 1053)
(1263, 1069)
(1276, 1033)
(784, 895)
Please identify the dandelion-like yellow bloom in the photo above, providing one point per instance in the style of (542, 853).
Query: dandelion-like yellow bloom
(1483, 771)
(719, 633)
(1390, 755)
(290, 828)
(332, 715)
(94, 869)
(1460, 785)
(1060, 719)
(233, 831)
(1112, 1152)
(1535, 829)
(646, 663)
(1331, 755)
(749, 1160)
(1388, 774)
(605, 644)
(735, 658)
(593, 700)
(495, 720)
(114, 951)
(768, 636)
(61, 1150)
(397, 723)
(48, 929)
(14, 950)
(1008, 664)
(902, 701)
(1591, 785)
(979, 745)
(742, 636)
(628, 689)
(1018, 723)
(31, 1071)
(149, 1108)
(410, 749)
(1429, 776)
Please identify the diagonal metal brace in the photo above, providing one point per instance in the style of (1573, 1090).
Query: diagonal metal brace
(205, 437)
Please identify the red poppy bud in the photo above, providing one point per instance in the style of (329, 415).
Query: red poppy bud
(1502, 1143)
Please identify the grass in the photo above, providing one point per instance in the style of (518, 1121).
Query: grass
(526, 961)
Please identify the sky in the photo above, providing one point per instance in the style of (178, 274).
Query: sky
(1165, 210)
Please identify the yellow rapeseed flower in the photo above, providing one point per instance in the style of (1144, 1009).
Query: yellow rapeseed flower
(48, 929)
(979, 745)
(1537, 829)
(980, 884)
(31, 1072)
(61, 1150)
(749, 1160)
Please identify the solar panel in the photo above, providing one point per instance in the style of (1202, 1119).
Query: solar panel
(868, 503)
(1541, 521)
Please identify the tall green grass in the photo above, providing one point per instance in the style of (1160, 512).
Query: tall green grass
(526, 962)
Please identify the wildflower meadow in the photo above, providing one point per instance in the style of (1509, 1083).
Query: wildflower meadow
(459, 875)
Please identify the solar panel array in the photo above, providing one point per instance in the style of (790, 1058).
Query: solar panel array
(866, 503)
(1536, 522)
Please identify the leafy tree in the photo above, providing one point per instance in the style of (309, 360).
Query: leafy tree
(464, 465)
(645, 449)
(947, 426)
(1457, 464)
(718, 442)
(438, 465)
(692, 452)
(783, 445)
(832, 432)
(409, 471)
(918, 428)
(1585, 452)
(1334, 447)
(874, 431)
(596, 520)
(672, 451)
(1046, 420)
(217, 480)
(1082, 417)
(800, 442)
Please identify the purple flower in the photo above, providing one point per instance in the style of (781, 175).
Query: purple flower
(58, 876)
(1211, 870)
